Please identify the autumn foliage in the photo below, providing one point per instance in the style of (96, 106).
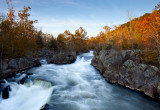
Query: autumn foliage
(146, 34)
(18, 36)
(77, 42)
(139, 33)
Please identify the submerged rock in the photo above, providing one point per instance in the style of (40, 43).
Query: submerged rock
(29, 74)
(45, 107)
(123, 67)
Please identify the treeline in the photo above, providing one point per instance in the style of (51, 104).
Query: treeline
(139, 33)
(19, 37)
(68, 41)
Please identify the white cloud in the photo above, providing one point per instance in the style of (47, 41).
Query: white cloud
(67, 2)
(69, 22)
(56, 26)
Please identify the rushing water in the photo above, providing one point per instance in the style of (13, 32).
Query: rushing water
(28, 96)
(77, 86)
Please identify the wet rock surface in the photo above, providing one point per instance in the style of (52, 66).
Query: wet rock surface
(123, 67)
(5, 92)
(45, 107)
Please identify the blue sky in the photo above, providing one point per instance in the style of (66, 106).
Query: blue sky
(55, 16)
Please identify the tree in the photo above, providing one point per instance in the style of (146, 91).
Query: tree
(53, 44)
(92, 43)
(18, 36)
(80, 39)
(61, 42)
(40, 40)
(151, 29)
(130, 19)
(157, 7)
(74, 42)
(106, 35)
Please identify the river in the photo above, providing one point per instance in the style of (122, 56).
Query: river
(77, 86)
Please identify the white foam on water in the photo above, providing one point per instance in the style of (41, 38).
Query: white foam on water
(23, 97)
(79, 86)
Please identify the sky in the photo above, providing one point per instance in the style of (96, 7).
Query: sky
(56, 16)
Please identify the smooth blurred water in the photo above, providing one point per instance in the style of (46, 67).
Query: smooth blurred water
(79, 86)
(30, 96)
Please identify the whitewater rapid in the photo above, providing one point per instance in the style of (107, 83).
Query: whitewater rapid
(30, 96)
(77, 86)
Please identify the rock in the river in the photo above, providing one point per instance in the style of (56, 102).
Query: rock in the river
(29, 74)
(123, 67)
(22, 81)
(5, 93)
(45, 107)
(37, 63)
(63, 58)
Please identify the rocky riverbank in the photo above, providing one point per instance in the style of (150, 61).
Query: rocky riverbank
(126, 68)
(12, 66)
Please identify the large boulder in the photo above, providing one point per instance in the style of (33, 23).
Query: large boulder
(124, 67)
(63, 58)
(37, 63)
(5, 92)
(110, 59)
(23, 62)
(4, 65)
(13, 64)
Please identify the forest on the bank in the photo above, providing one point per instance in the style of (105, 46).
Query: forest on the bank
(19, 36)
(139, 33)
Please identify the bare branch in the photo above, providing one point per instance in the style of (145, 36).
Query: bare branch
(157, 7)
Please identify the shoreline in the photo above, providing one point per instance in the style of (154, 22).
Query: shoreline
(130, 89)
(127, 73)
(19, 65)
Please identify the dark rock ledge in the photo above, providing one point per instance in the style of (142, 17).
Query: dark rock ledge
(124, 68)
(11, 67)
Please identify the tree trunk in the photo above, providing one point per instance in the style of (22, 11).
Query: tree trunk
(1, 56)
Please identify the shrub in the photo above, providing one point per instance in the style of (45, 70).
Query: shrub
(108, 47)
